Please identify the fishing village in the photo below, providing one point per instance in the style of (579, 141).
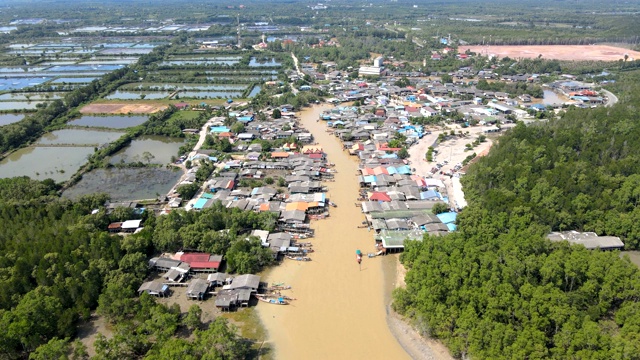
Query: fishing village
(244, 182)
(327, 158)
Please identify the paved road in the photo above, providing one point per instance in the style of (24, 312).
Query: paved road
(300, 73)
(611, 99)
(295, 62)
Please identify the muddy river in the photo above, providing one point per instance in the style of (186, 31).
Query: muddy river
(340, 311)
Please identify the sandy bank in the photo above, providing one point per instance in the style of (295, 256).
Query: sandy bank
(417, 346)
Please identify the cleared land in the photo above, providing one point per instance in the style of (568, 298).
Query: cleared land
(115, 108)
(559, 52)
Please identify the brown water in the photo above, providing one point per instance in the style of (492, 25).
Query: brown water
(340, 312)
(57, 163)
(161, 147)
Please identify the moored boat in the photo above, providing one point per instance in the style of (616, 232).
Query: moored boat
(270, 300)
(299, 258)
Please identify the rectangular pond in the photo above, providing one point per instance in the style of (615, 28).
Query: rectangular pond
(113, 122)
(73, 80)
(18, 105)
(254, 91)
(208, 94)
(57, 163)
(96, 67)
(122, 61)
(30, 96)
(16, 83)
(198, 62)
(19, 70)
(161, 147)
(192, 87)
(126, 51)
(114, 45)
(138, 95)
(126, 183)
(79, 137)
(264, 63)
(6, 119)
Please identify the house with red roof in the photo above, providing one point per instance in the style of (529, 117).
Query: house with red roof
(202, 262)
(379, 196)
(385, 147)
(225, 135)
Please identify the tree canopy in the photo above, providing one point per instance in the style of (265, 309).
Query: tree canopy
(497, 288)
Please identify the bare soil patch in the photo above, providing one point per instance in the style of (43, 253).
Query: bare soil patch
(88, 332)
(558, 52)
(119, 108)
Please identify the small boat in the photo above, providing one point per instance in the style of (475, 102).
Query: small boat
(299, 258)
(333, 204)
(275, 295)
(276, 301)
(279, 287)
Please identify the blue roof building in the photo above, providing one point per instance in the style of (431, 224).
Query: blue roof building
(449, 219)
(219, 129)
(200, 203)
(538, 107)
(246, 119)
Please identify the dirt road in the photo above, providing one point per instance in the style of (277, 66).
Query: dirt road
(453, 152)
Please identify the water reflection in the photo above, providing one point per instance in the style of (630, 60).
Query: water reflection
(113, 122)
(161, 147)
(57, 163)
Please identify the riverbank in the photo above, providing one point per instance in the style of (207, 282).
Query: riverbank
(416, 345)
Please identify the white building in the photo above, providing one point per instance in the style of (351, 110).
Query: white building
(369, 71)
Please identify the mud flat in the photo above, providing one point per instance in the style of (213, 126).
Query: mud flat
(341, 311)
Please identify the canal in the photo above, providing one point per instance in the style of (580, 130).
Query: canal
(340, 311)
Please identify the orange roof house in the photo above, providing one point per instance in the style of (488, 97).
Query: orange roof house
(298, 205)
(312, 149)
(279, 155)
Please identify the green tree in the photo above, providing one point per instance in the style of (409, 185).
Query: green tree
(220, 341)
(193, 319)
(188, 191)
(55, 349)
(148, 157)
(34, 320)
(237, 128)
(439, 208)
(277, 114)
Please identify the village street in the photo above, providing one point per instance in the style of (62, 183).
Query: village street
(202, 136)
